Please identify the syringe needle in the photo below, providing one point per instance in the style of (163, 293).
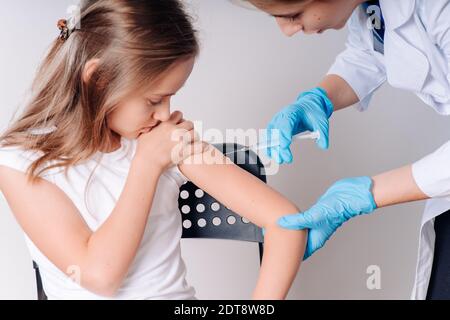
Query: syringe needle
(264, 145)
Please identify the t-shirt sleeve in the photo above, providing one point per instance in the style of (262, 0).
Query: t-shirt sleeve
(16, 158)
(432, 173)
(175, 173)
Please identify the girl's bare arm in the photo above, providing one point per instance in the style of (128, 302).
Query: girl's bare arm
(54, 224)
(246, 195)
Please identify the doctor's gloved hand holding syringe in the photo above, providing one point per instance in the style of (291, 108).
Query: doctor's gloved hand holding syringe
(346, 198)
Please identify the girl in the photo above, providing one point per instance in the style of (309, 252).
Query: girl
(92, 156)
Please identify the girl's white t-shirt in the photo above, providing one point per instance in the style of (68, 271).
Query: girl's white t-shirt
(158, 271)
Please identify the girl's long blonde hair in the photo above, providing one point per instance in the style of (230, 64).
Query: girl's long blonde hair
(136, 41)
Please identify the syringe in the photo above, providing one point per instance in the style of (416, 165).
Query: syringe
(264, 145)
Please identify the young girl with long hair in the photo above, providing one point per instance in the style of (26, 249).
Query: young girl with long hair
(89, 172)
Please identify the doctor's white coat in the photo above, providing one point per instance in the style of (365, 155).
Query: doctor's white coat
(417, 58)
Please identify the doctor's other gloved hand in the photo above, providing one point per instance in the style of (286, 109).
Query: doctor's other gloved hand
(311, 112)
(345, 200)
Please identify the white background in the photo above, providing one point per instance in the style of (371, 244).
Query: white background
(246, 72)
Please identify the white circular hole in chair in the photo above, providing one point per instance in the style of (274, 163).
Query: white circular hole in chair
(231, 220)
(199, 193)
(185, 209)
(187, 224)
(201, 223)
(245, 220)
(217, 221)
(184, 194)
(215, 207)
(201, 208)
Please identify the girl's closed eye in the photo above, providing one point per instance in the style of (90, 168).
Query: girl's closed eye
(153, 103)
(295, 17)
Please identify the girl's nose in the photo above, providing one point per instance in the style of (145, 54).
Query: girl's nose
(287, 27)
(162, 113)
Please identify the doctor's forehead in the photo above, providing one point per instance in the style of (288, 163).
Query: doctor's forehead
(280, 8)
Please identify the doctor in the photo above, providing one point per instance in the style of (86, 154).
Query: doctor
(407, 44)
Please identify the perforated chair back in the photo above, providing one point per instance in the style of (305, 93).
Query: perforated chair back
(205, 217)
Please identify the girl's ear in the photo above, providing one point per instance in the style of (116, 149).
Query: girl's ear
(89, 69)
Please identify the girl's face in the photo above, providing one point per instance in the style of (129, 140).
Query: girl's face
(309, 16)
(142, 112)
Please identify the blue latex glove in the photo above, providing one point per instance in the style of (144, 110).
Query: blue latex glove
(346, 199)
(310, 112)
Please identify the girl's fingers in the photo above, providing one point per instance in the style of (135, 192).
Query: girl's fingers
(190, 136)
(185, 151)
(191, 149)
(184, 136)
(186, 125)
(176, 117)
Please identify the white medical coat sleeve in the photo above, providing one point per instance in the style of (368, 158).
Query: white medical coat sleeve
(432, 173)
(437, 21)
(357, 65)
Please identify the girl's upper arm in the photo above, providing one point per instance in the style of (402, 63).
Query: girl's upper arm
(236, 188)
(248, 196)
(48, 217)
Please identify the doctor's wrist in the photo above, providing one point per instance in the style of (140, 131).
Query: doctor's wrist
(318, 97)
(339, 92)
(395, 187)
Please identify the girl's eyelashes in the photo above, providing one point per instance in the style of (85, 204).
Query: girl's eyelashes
(295, 17)
(153, 103)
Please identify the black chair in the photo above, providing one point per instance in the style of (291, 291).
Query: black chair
(40, 290)
(204, 217)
